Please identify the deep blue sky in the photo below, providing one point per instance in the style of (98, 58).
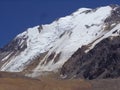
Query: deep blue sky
(17, 15)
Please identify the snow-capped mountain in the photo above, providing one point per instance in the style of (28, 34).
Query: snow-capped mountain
(47, 47)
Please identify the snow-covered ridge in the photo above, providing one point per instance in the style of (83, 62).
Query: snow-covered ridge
(62, 37)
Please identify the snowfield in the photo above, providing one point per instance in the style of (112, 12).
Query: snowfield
(64, 36)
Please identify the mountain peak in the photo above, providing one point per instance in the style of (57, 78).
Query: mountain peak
(114, 5)
(47, 47)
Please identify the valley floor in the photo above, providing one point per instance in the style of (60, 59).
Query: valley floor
(14, 81)
(29, 84)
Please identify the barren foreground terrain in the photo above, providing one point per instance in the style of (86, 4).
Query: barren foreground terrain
(29, 84)
(14, 81)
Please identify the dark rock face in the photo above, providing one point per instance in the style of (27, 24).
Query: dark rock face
(115, 16)
(17, 45)
(103, 61)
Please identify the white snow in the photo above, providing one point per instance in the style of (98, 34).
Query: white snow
(6, 57)
(105, 35)
(75, 35)
(79, 11)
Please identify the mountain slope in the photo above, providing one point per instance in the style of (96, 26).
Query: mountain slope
(103, 61)
(47, 47)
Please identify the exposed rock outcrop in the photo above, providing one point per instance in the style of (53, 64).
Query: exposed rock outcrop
(103, 61)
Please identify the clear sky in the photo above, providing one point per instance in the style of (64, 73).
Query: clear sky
(18, 15)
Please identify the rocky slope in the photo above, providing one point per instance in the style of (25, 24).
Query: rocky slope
(103, 61)
(63, 44)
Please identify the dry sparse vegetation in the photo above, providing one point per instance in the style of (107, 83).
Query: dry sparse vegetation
(14, 81)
